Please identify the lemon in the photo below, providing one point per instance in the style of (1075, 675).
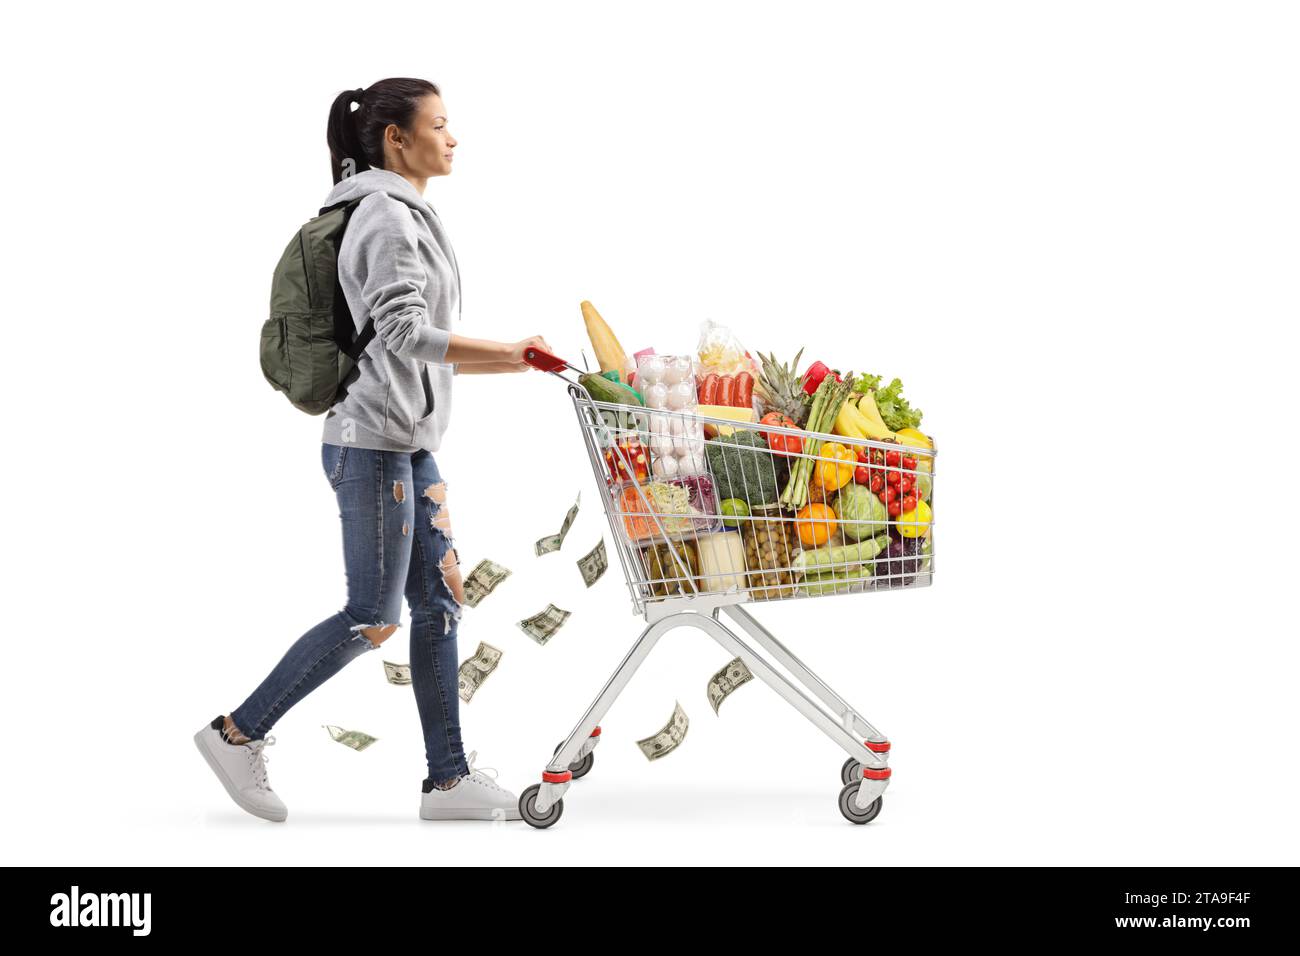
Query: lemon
(734, 506)
(913, 524)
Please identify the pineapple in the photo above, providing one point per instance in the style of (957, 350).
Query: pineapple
(781, 388)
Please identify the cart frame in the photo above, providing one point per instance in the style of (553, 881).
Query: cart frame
(865, 774)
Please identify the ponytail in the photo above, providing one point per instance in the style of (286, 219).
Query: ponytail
(356, 137)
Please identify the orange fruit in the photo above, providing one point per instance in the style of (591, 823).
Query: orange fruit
(816, 523)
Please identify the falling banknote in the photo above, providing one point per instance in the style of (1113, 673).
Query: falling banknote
(593, 563)
(543, 625)
(552, 542)
(397, 673)
(483, 580)
(668, 739)
(726, 680)
(475, 670)
(350, 738)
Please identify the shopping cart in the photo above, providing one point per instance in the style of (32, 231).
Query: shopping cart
(725, 526)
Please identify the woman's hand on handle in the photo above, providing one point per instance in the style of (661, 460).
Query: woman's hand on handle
(518, 349)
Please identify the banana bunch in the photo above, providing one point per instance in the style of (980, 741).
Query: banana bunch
(859, 418)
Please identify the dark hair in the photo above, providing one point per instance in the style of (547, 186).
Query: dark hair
(359, 135)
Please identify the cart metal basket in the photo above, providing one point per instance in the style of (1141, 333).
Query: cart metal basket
(725, 527)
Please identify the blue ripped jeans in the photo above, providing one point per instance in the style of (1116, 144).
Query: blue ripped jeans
(396, 538)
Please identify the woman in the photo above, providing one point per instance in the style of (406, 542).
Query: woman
(396, 267)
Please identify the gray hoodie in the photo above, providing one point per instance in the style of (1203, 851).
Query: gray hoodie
(397, 266)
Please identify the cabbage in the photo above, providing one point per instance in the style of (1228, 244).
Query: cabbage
(862, 514)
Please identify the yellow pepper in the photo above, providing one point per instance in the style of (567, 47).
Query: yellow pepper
(835, 466)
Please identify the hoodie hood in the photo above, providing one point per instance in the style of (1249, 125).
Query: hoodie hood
(377, 181)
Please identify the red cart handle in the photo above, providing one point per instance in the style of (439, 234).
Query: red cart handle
(544, 361)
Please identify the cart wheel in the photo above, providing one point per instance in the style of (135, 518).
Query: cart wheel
(851, 771)
(527, 804)
(849, 806)
(579, 768)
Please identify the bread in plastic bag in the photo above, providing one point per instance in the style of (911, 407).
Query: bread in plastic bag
(720, 351)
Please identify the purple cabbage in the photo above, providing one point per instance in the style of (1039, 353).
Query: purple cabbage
(902, 557)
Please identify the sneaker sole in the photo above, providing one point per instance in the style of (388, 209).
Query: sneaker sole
(465, 813)
(234, 794)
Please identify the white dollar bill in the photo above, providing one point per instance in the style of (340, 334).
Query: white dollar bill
(542, 626)
(669, 739)
(397, 673)
(483, 580)
(593, 564)
(726, 680)
(552, 542)
(350, 738)
(475, 670)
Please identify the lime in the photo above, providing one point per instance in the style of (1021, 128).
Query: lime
(734, 506)
(924, 484)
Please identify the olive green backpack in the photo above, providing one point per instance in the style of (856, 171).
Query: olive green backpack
(310, 343)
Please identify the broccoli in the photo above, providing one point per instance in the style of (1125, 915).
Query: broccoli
(744, 467)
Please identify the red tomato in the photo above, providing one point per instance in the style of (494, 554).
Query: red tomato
(909, 502)
(891, 458)
(909, 463)
(862, 475)
(894, 508)
(893, 477)
(877, 483)
(907, 484)
(891, 493)
(781, 444)
(862, 455)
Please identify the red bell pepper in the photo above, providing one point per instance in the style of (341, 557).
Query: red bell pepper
(813, 377)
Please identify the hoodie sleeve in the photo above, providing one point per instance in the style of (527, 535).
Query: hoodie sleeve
(385, 253)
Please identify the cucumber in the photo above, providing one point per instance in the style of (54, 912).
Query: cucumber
(603, 390)
(819, 560)
(839, 582)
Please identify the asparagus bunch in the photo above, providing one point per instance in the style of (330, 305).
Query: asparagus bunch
(827, 401)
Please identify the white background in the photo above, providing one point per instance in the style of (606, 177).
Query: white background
(1070, 228)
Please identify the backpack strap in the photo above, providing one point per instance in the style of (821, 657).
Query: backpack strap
(344, 326)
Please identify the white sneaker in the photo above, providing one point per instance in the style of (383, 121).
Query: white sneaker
(241, 768)
(476, 797)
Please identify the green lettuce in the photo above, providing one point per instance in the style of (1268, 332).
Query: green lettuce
(895, 410)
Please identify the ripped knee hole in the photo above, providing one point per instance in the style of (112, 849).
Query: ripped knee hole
(377, 635)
